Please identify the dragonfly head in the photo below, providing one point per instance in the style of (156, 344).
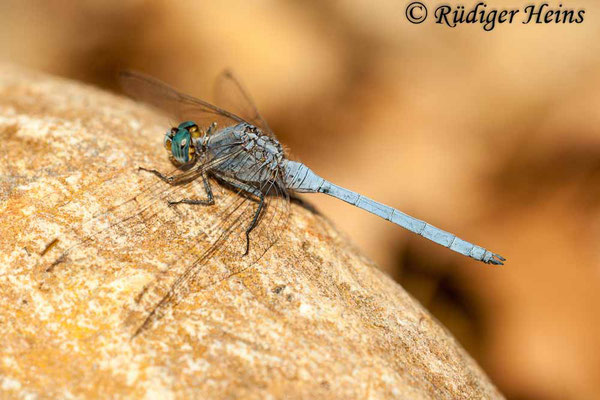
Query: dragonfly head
(180, 142)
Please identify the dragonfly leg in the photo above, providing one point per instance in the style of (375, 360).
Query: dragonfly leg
(171, 180)
(253, 191)
(209, 201)
(254, 222)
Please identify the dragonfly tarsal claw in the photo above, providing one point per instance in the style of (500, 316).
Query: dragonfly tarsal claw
(167, 179)
(247, 244)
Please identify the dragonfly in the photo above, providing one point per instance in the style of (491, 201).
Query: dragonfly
(245, 153)
(233, 145)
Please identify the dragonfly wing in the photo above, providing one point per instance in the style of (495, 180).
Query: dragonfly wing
(166, 98)
(205, 244)
(220, 257)
(230, 94)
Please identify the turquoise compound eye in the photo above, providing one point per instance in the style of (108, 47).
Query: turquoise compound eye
(180, 146)
(189, 125)
(169, 138)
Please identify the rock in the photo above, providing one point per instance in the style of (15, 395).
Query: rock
(313, 318)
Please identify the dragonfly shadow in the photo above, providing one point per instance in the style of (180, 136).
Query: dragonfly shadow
(305, 204)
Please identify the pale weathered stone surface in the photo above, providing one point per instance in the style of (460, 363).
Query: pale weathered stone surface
(313, 319)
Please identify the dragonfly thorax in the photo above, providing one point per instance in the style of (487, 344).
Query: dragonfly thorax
(262, 147)
(246, 154)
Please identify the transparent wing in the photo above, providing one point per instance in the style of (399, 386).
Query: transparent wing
(220, 255)
(206, 243)
(231, 95)
(182, 106)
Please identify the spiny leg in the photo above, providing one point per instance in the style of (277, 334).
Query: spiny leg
(171, 180)
(254, 222)
(209, 201)
(250, 190)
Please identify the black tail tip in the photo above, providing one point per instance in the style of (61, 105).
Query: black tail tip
(496, 259)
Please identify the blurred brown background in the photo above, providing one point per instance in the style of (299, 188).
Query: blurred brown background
(494, 136)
